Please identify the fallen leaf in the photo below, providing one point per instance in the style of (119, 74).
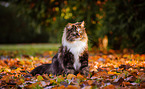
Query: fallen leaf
(71, 87)
(142, 84)
(60, 78)
(110, 87)
(113, 73)
(39, 77)
(70, 76)
(126, 83)
(87, 87)
(90, 82)
(20, 81)
(79, 76)
(119, 80)
(61, 87)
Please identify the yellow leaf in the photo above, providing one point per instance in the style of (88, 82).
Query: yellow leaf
(18, 70)
(22, 62)
(113, 73)
(93, 22)
(7, 70)
(57, 8)
(52, 81)
(67, 9)
(70, 76)
(62, 14)
(74, 8)
(39, 77)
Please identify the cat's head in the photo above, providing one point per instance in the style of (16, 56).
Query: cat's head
(75, 32)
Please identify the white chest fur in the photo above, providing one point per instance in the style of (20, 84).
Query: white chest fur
(77, 47)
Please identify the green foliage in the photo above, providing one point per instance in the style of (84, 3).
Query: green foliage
(53, 15)
(124, 24)
(122, 21)
(16, 29)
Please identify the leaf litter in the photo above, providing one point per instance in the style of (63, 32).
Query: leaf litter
(107, 71)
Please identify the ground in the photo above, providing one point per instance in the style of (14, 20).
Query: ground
(108, 70)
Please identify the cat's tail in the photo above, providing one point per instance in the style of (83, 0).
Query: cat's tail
(42, 69)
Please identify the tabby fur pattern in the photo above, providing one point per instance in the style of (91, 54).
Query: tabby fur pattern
(72, 56)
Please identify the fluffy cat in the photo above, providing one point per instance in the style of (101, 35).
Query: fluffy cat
(72, 56)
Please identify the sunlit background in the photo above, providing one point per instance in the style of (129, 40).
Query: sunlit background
(110, 24)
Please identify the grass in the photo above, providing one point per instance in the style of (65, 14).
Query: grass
(29, 46)
(29, 49)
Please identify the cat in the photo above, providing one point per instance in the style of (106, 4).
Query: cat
(72, 56)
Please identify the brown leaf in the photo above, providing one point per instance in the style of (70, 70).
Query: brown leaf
(125, 66)
(132, 79)
(61, 87)
(118, 80)
(90, 82)
(20, 81)
(126, 83)
(142, 84)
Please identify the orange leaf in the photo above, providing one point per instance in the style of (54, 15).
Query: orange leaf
(55, 88)
(20, 81)
(87, 87)
(79, 76)
(90, 82)
(71, 87)
(127, 83)
(61, 87)
(110, 87)
(6, 78)
(113, 73)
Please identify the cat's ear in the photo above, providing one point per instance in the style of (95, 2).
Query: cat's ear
(83, 24)
(69, 26)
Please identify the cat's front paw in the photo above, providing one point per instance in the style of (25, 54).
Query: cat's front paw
(85, 71)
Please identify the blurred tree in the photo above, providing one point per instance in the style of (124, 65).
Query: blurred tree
(124, 23)
(15, 29)
(12, 29)
(121, 21)
(53, 15)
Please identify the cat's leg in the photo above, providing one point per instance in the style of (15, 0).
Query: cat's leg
(84, 64)
(85, 71)
(70, 71)
(69, 68)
